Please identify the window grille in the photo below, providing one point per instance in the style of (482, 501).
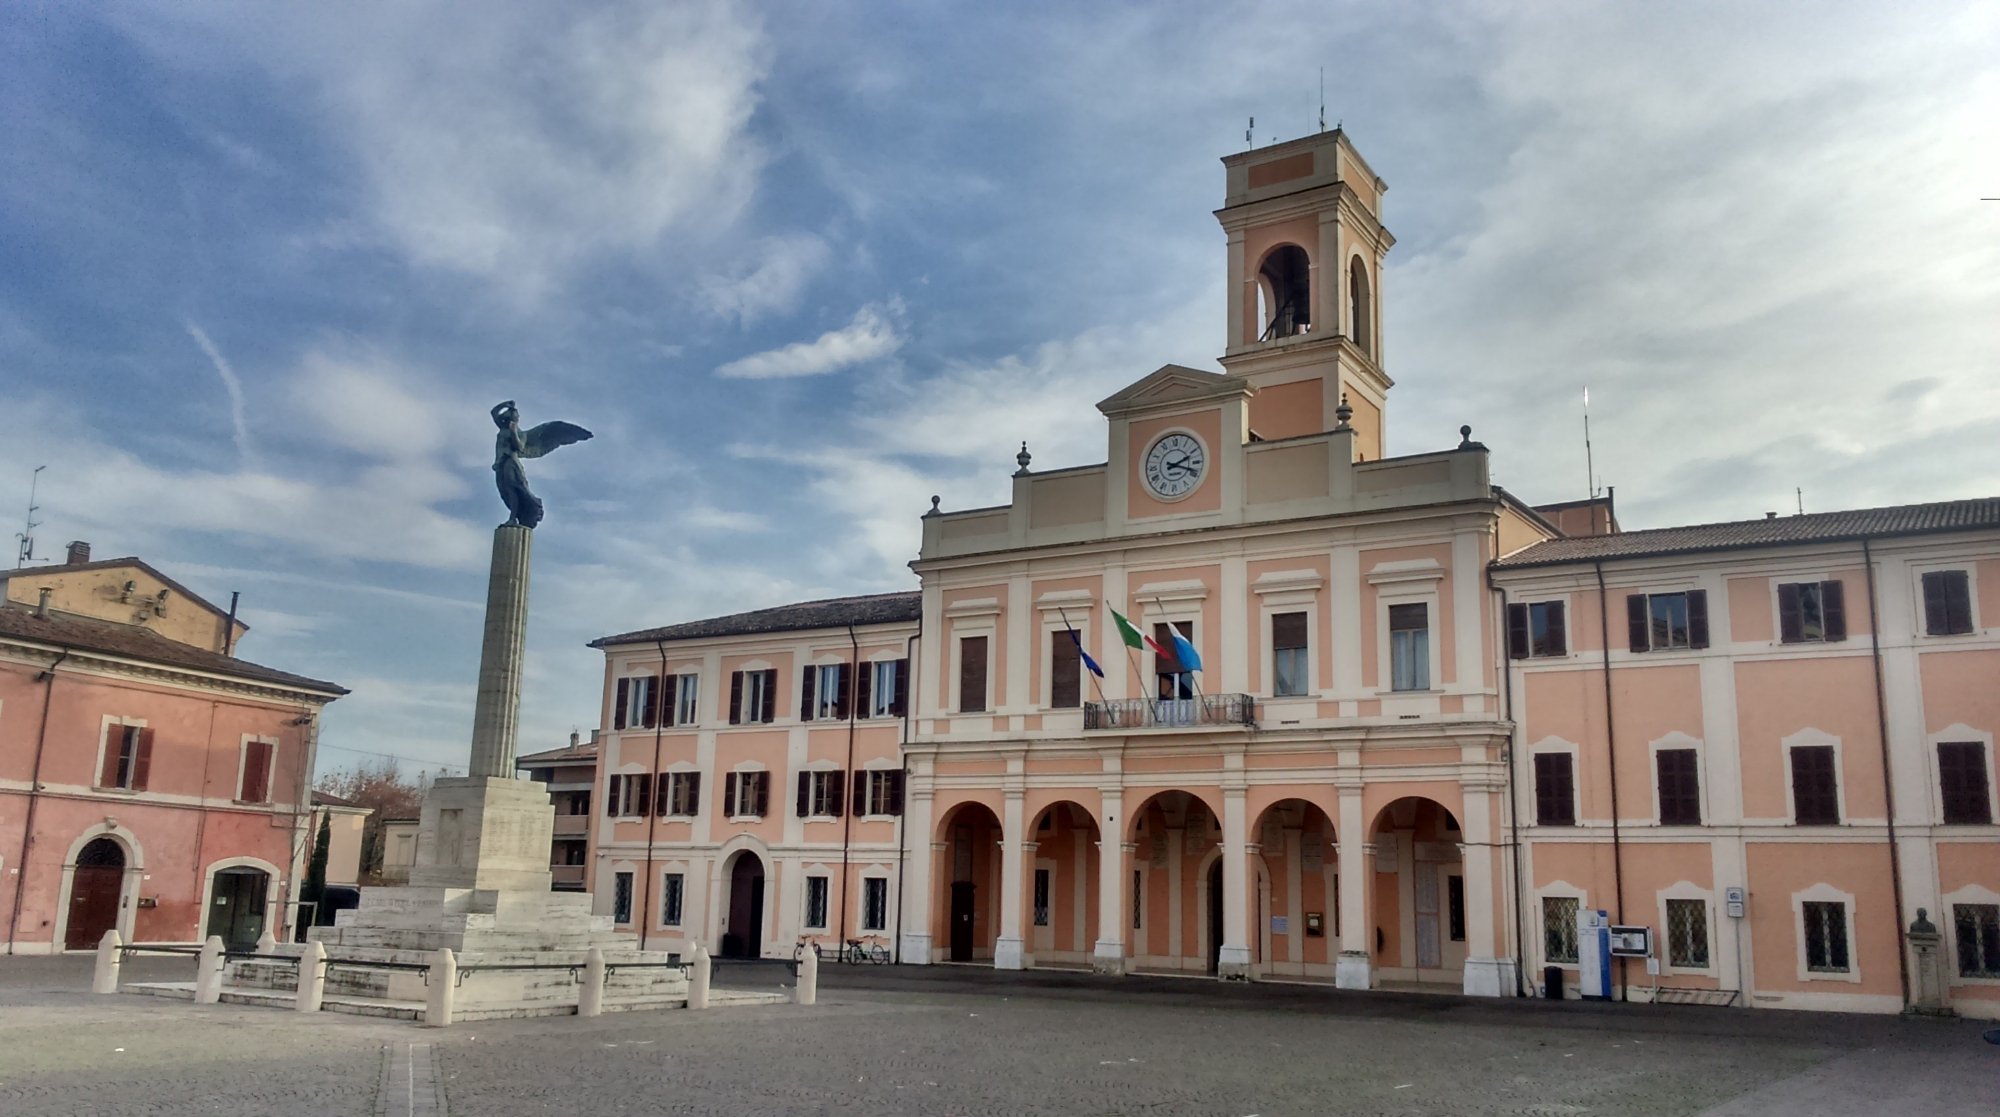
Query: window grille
(1687, 934)
(1559, 928)
(1826, 936)
(1978, 927)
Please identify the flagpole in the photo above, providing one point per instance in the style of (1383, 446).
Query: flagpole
(1192, 681)
(1095, 683)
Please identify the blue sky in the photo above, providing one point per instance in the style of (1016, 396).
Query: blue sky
(263, 268)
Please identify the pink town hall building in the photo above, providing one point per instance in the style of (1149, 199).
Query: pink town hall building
(1434, 731)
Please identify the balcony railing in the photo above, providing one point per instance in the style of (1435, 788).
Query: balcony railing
(566, 875)
(1219, 710)
(572, 825)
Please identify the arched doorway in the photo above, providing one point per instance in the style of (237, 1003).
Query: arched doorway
(97, 886)
(1300, 931)
(1177, 833)
(743, 919)
(970, 834)
(236, 906)
(1418, 898)
(1062, 886)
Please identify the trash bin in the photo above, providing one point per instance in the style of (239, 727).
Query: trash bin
(1552, 982)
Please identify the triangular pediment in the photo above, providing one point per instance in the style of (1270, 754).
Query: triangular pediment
(1173, 384)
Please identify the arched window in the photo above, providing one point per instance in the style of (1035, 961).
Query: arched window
(1360, 308)
(1286, 282)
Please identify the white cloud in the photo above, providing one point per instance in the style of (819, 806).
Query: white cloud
(239, 426)
(772, 283)
(871, 336)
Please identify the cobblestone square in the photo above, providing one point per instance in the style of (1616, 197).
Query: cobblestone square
(964, 1041)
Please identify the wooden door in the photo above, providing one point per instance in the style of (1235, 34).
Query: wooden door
(961, 920)
(96, 888)
(1430, 954)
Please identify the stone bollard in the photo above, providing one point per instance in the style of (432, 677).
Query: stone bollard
(444, 982)
(808, 988)
(110, 955)
(267, 943)
(312, 978)
(590, 995)
(698, 975)
(208, 972)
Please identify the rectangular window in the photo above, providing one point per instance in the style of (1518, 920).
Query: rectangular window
(1174, 684)
(1815, 786)
(885, 682)
(971, 674)
(687, 695)
(1962, 781)
(1454, 889)
(671, 887)
(753, 697)
(874, 903)
(878, 792)
(255, 783)
(1826, 936)
(1555, 789)
(1662, 621)
(1811, 612)
(746, 794)
(1978, 927)
(816, 903)
(1559, 929)
(1947, 603)
(128, 757)
(679, 795)
(1680, 787)
(1065, 672)
(1410, 647)
(1537, 630)
(1042, 897)
(636, 703)
(823, 693)
(632, 795)
(1687, 934)
(1288, 655)
(621, 898)
(1138, 898)
(820, 794)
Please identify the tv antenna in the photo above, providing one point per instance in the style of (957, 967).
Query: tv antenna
(1247, 131)
(27, 534)
(1589, 463)
(1322, 98)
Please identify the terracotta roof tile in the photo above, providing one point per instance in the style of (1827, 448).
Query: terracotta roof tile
(1815, 527)
(131, 641)
(833, 612)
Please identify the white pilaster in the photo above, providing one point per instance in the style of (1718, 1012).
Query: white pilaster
(1234, 960)
(1107, 954)
(1007, 947)
(1353, 970)
(1489, 972)
(919, 865)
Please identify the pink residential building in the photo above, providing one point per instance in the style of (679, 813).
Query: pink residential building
(1370, 735)
(150, 780)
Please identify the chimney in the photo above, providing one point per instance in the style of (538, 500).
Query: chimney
(79, 552)
(42, 606)
(575, 738)
(1770, 515)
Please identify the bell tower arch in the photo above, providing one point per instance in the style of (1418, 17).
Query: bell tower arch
(1306, 245)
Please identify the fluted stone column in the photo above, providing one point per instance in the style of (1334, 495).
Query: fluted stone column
(496, 717)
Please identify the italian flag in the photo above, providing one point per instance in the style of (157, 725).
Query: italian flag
(1134, 638)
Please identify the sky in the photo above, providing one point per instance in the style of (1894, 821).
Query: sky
(265, 267)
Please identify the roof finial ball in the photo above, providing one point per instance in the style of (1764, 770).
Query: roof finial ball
(1023, 458)
(935, 501)
(1343, 413)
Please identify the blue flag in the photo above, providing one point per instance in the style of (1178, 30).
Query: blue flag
(1189, 659)
(1084, 655)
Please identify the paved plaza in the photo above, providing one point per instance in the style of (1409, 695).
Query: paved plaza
(945, 1040)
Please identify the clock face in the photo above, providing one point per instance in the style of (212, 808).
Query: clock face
(1174, 465)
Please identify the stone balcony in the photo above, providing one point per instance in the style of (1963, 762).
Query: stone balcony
(572, 826)
(1206, 711)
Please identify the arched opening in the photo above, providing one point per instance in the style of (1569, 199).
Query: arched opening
(95, 891)
(1300, 934)
(1062, 886)
(970, 911)
(1418, 895)
(743, 908)
(1174, 925)
(1284, 283)
(1360, 307)
(237, 905)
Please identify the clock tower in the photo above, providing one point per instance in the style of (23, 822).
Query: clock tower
(1306, 246)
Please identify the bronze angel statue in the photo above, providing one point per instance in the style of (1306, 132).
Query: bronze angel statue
(511, 446)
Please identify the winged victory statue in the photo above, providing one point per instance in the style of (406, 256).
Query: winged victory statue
(513, 444)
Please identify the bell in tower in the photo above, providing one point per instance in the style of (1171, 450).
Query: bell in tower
(1306, 245)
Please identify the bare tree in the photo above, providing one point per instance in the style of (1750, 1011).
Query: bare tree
(381, 786)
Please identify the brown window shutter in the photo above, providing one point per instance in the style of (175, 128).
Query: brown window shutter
(902, 702)
(728, 793)
(736, 698)
(843, 701)
(770, 710)
(257, 772)
(1288, 630)
(807, 679)
(694, 793)
(896, 792)
(858, 781)
(1065, 672)
(1815, 801)
(1791, 617)
(613, 792)
(1697, 618)
(645, 804)
(1555, 790)
(663, 794)
(142, 760)
(1638, 624)
(114, 750)
(654, 704)
(836, 793)
(1517, 632)
(864, 686)
(761, 789)
(618, 704)
(805, 795)
(971, 674)
(1833, 609)
(1558, 629)
(666, 700)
